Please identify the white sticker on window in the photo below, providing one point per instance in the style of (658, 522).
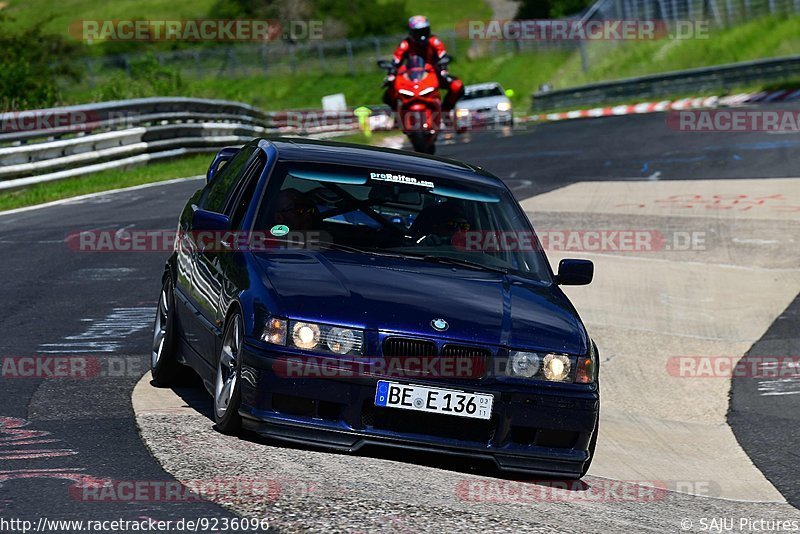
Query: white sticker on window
(399, 179)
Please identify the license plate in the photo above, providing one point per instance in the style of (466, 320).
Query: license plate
(433, 400)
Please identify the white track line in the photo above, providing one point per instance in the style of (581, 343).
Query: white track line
(98, 194)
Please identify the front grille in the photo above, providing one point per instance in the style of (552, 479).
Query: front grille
(471, 362)
(401, 346)
(420, 357)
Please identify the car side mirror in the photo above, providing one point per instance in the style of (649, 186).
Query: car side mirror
(223, 156)
(574, 272)
(209, 221)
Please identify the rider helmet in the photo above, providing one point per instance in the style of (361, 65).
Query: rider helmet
(419, 29)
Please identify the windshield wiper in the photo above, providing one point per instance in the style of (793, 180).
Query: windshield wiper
(464, 263)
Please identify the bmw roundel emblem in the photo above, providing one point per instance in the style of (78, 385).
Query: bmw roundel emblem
(440, 325)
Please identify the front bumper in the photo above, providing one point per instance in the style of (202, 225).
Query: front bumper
(543, 429)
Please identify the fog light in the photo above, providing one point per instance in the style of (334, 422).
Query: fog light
(305, 335)
(523, 364)
(556, 367)
(341, 340)
(275, 331)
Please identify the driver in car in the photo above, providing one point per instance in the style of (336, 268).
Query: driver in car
(296, 210)
(440, 224)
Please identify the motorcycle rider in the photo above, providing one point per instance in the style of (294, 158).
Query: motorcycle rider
(422, 43)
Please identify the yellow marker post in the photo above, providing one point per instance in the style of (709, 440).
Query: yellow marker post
(363, 113)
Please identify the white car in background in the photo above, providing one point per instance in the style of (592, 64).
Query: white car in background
(484, 104)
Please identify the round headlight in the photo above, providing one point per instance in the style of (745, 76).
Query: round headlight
(556, 367)
(524, 364)
(305, 335)
(341, 340)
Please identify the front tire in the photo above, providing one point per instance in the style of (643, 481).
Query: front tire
(164, 364)
(418, 142)
(227, 389)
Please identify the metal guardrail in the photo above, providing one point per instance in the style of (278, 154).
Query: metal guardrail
(45, 145)
(693, 81)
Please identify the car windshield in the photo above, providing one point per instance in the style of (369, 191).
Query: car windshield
(483, 93)
(377, 211)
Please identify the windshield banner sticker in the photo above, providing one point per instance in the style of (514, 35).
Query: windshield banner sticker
(400, 179)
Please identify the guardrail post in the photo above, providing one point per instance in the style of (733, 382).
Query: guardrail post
(90, 72)
(265, 59)
(584, 58)
(716, 13)
(321, 55)
(732, 18)
(231, 62)
(350, 66)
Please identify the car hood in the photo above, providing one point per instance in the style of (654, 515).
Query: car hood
(400, 295)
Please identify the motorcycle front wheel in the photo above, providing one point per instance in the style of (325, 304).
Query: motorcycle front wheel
(422, 142)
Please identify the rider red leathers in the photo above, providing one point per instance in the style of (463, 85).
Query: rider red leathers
(432, 50)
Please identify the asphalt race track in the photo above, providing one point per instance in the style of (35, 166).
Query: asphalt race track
(712, 447)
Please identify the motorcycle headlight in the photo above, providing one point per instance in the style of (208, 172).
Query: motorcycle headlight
(426, 91)
(406, 92)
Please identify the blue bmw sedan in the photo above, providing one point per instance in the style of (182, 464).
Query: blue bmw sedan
(340, 295)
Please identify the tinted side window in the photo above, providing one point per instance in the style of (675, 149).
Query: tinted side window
(243, 195)
(217, 192)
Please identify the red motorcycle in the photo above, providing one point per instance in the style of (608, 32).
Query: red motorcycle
(419, 104)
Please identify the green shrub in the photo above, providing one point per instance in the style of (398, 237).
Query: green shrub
(29, 78)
